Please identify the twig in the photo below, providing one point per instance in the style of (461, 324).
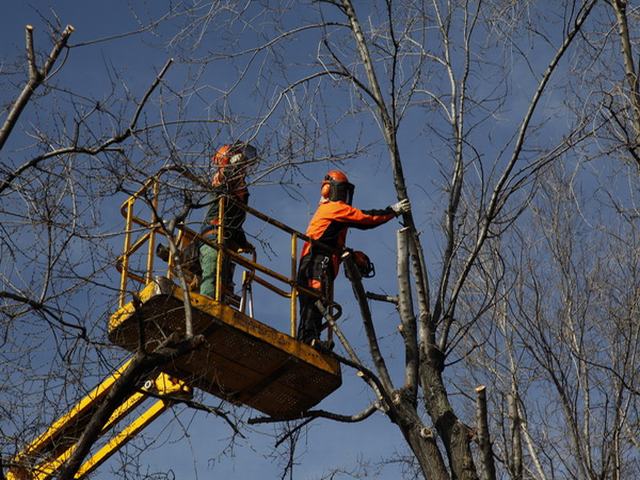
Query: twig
(197, 406)
(38, 306)
(104, 146)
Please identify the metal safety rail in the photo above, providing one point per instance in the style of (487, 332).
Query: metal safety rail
(286, 285)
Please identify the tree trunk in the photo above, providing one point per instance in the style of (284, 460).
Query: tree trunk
(456, 436)
(421, 439)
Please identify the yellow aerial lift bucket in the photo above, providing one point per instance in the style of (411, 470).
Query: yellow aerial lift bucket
(242, 359)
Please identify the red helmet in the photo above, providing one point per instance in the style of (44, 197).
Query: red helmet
(221, 157)
(337, 176)
(237, 153)
(336, 187)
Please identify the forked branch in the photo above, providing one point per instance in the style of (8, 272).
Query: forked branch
(36, 77)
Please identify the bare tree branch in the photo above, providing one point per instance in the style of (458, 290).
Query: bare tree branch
(141, 365)
(36, 77)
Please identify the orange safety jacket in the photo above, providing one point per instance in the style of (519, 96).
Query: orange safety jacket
(331, 223)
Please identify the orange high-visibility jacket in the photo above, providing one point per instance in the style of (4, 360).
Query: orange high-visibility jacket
(331, 222)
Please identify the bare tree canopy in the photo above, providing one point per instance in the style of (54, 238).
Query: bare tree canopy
(500, 335)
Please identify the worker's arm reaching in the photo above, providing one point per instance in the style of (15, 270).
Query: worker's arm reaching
(365, 219)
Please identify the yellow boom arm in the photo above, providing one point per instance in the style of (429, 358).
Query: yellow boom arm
(44, 456)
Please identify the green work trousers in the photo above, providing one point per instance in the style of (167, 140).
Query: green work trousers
(208, 264)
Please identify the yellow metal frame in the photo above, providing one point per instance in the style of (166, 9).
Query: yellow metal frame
(221, 250)
(55, 447)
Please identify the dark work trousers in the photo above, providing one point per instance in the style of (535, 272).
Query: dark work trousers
(315, 273)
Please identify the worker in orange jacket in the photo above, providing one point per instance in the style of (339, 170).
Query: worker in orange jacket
(319, 263)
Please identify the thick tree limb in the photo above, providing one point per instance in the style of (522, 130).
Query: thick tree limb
(531, 447)
(514, 461)
(407, 317)
(382, 298)
(620, 8)
(354, 362)
(484, 440)
(312, 414)
(401, 412)
(453, 432)
(358, 290)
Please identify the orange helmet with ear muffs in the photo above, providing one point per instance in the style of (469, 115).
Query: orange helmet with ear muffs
(235, 158)
(239, 152)
(336, 187)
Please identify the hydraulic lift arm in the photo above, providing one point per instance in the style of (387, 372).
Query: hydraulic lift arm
(43, 457)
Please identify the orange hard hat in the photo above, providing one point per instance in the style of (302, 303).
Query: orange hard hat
(221, 157)
(337, 176)
(226, 154)
(232, 161)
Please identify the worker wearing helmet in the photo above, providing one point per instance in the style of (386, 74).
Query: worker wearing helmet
(319, 263)
(229, 180)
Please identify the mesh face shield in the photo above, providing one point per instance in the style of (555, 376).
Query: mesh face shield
(341, 191)
(246, 150)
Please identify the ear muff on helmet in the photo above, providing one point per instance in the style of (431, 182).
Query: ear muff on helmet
(236, 159)
(249, 153)
(325, 190)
